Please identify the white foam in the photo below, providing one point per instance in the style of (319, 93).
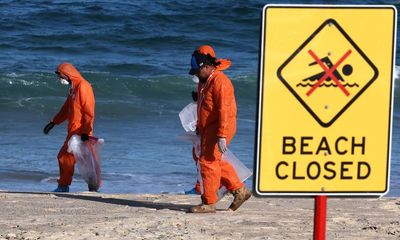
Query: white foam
(14, 75)
(23, 82)
(246, 120)
(49, 180)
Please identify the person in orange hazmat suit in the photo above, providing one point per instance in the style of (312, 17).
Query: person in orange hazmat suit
(78, 109)
(216, 126)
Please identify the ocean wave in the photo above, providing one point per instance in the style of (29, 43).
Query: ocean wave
(14, 75)
(46, 83)
(137, 177)
(118, 35)
(23, 175)
(24, 82)
(397, 72)
(246, 120)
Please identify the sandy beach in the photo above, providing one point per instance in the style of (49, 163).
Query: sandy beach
(143, 216)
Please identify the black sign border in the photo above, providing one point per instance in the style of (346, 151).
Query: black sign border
(302, 46)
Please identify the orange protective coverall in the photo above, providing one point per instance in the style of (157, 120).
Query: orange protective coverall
(78, 109)
(216, 118)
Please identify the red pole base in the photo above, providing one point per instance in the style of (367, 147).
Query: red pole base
(320, 217)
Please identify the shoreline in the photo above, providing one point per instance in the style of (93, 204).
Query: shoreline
(163, 216)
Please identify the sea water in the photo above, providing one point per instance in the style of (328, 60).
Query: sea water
(136, 55)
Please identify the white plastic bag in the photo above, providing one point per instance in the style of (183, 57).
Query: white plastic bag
(87, 155)
(188, 117)
(241, 170)
(195, 139)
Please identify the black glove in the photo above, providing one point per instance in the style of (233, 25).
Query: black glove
(194, 96)
(48, 127)
(84, 137)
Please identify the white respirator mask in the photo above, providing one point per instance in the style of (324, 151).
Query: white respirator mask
(195, 79)
(64, 81)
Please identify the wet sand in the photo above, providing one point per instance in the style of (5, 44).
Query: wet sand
(163, 216)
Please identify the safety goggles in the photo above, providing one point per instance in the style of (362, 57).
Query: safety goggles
(197, 62)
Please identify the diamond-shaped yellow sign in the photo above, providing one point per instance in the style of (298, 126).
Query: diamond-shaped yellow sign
(328, 72)
(325, 100)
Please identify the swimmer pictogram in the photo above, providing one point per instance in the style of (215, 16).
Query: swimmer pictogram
(328, 72)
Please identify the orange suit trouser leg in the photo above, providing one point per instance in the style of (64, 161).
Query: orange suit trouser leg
(211, 177)
(229, 177)
(66, 163)
(215, 172)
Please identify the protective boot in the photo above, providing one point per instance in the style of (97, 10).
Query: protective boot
(241, 195)
(92, 185)
(61, 188)
(192, 191)
(92, 188)
(204, 208)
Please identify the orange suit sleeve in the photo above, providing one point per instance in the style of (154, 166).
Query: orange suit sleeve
(223, 93)
(62, 115)
(87, 103)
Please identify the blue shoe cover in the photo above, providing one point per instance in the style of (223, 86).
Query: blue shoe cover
(61, 188)
(192, 191)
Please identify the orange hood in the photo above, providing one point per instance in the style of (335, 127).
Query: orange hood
(71, 72)
(223, 64)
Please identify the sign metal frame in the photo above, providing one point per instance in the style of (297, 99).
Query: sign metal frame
(262, 58)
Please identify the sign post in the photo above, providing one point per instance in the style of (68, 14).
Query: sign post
(320, 217)
(325, 102)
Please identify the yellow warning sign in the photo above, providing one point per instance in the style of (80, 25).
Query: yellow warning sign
(325, 100)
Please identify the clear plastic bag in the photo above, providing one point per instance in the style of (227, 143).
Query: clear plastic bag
(87, 155)
(188, 117)
(195, 139)
(241, 170)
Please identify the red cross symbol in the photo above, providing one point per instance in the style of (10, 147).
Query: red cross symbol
(328, 73)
